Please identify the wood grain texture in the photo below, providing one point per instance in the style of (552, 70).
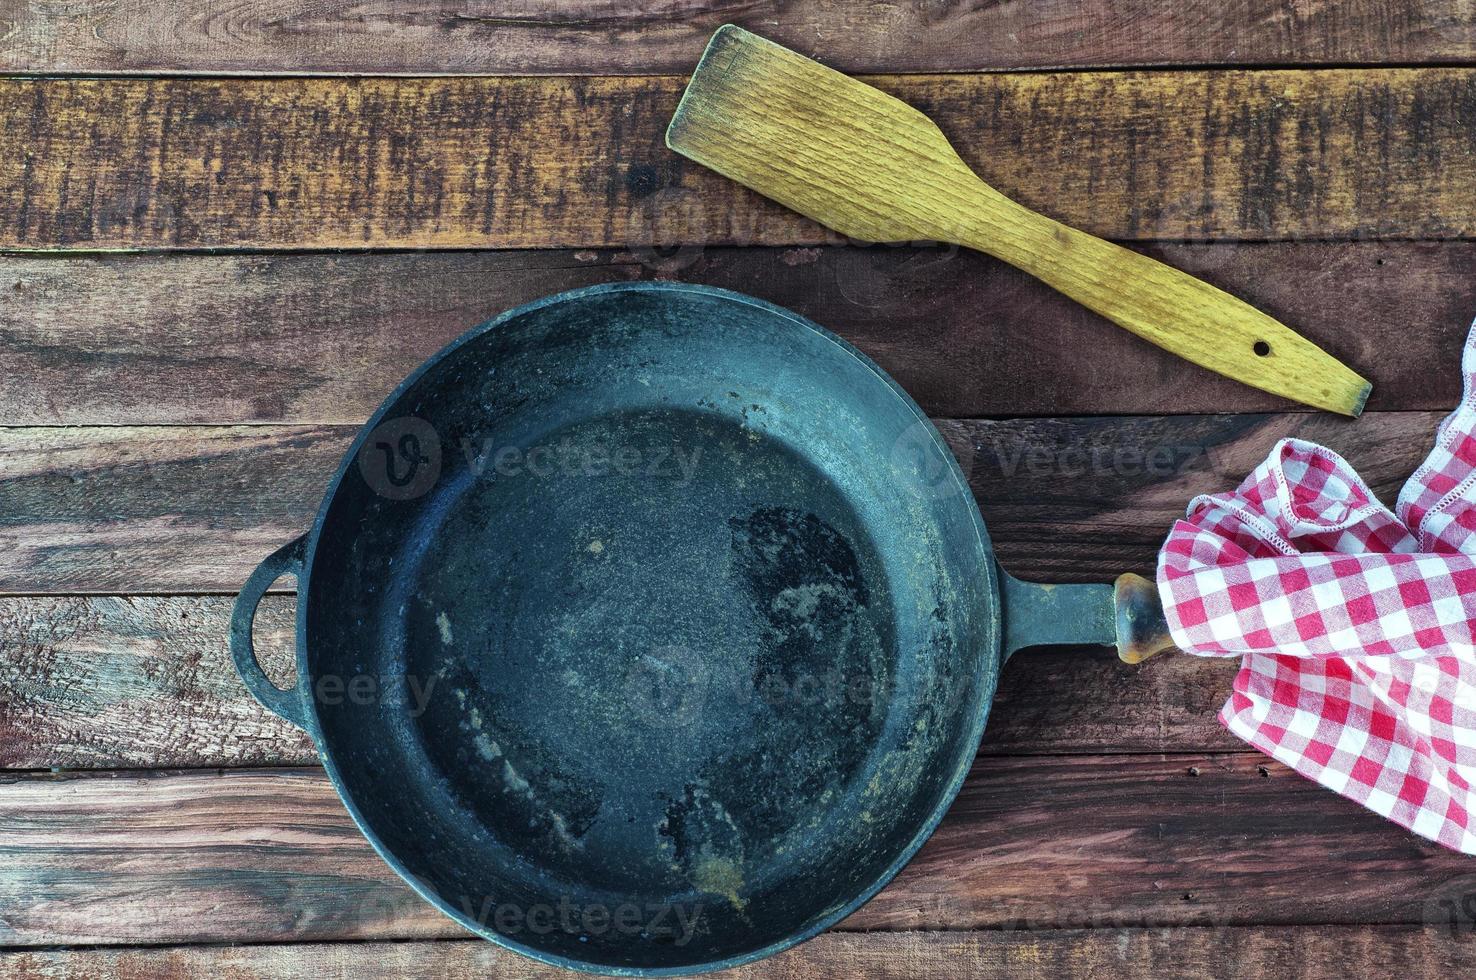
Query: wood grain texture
(513, 162)
(141, 339)
(603, 37)
(871, 167)
(139, 682)
(1085, 499)
(1185, 953)
(1031, 843)
(257, 853)
(1166, 860)
(165, 509)
(130, 510)
(147, 682)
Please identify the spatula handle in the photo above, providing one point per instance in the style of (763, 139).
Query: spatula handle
(1166, 307)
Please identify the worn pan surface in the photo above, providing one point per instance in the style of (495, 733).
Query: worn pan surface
(650, 628)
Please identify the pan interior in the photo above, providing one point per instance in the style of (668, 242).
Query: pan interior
(677, 651)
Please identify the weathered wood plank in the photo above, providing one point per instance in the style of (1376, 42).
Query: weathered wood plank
(141, 339)
(1186, 953)
(600, 37)
(1084, 700)
(1087, 498)
(257, 853)
(161, 509)
(139, 682)
(158, 508)
(1033, 842)
(147, 682)
(500, 162)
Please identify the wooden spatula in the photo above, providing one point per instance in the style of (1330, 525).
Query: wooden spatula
(873, 168)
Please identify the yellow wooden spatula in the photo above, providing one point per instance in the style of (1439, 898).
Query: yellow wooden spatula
(873, 168)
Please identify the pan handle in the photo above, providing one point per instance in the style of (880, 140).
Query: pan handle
(1127, 615)
(1142, 631)
(289, 704)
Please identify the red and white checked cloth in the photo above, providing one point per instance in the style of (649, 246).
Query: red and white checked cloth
(1357, 626)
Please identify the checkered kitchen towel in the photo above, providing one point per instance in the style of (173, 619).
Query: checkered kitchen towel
(1357, 626)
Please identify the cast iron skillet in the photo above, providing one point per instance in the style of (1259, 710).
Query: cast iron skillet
(651, 628)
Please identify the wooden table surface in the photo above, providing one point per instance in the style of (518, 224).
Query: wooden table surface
(228, 229)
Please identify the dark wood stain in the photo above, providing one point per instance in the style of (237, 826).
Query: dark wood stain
(506, 162)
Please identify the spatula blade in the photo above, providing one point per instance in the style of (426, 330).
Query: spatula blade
(821, 143)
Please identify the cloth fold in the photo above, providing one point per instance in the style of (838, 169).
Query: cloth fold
(1356, 625)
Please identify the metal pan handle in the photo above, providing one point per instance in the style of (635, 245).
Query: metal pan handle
(1127, 615)
(289, 704)
(1142, 631)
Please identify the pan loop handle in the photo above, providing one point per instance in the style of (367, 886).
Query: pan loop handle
(1127, 615)
(289, 704)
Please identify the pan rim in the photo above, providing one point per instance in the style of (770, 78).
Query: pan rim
(926, 828)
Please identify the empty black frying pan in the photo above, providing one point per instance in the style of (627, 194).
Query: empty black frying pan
(651, 629)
